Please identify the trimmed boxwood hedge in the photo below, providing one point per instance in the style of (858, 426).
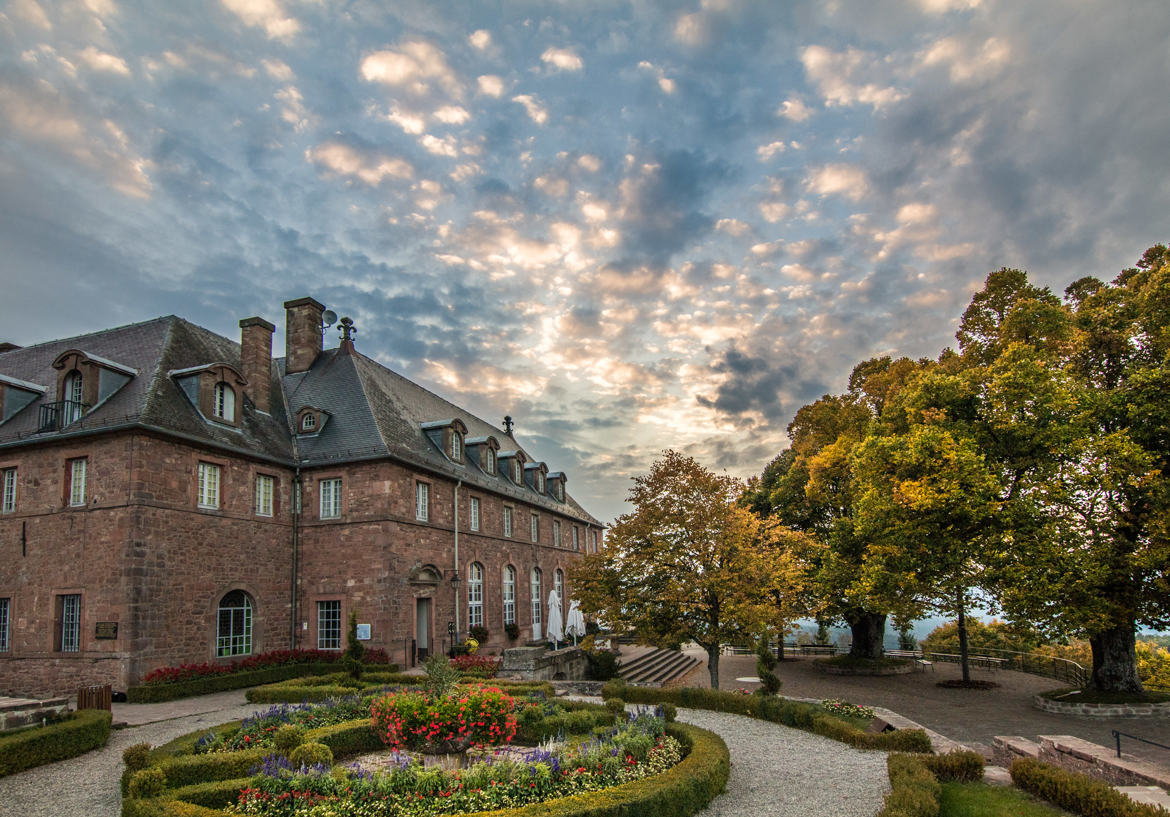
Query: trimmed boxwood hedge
(151, 693)
(1075, 792)
(682, 790)
(914, 781)
(797, 714)
(75, 735)
(334, 685)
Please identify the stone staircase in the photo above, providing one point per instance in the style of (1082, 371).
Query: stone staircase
(654, 667)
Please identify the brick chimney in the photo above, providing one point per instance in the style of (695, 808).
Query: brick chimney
(256, 359)
(302, 334)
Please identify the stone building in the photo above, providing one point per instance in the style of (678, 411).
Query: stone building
(169, 496)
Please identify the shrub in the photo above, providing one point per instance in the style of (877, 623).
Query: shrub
(479, 633)
(615, 705)
(272, 658)
(669, 712)
(288, 738)
(957, 767)
(311, 754)
(75, 735)
(512, 630)
(603, 665)
(914, 791)
(137, 756)
(472, 716)
(441, 675)
(148, 782)
(1076, 792)
(478, 666)
(765, 663)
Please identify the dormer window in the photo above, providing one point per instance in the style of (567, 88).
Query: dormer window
(539, 482)
(224, 402)
(482, 452)
(73, 395)
(456, 445)
(556, 484)
(308, 422)
(517, 476)
(489, 461)
(448, 436)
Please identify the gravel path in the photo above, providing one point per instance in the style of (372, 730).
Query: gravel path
(87, 786)
(778, 771)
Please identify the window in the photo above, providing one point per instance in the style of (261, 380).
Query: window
(475, 513)
(517, 471)
(593, 533)
(4, 616)
(559, 584)
(422, 501)
(330, 498)
(508, 521)
(8, 503)
(538, 481)
(456, 446)
(490, 461)
(509, 594)
(73, 408)
(308, 422)
(536, 617)
(233, 634)
(208, 485)
(329, 625)
(557, 532)
(534, 527)
(576, 538)
(77, 481)
(264, 485)
(69, 614)
(223, 404)
(475, 595)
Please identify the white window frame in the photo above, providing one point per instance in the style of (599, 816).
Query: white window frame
(474, 595)
(534, 527)
(330, 504)
(509, 526)
(229, 644)
(536, 586)
(473, 514)
(329, 624)
(559, 586)
(309, 422)
(77, 471)
(538, 481)
(223, 402)
(491, 461)
(557, 532)
(576, 538)
(422, 501)
(265, 489)
(208, 487)
(5, 617)
(517, 472)
(72, 410)
(8, 504)
(70, 623)
(456, 446)
(509, 594)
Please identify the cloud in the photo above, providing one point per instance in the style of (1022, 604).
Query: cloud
(845, 180)
(794, 109)
(101, 61)
(836, 77)
(366, 165)
(562, 59)
(533, 107)
(452, 115)
(966, 60)
(277, 69)
(415, 66)
(31, 12)
(766, 152)
(481, 39)
(490, 85)
(265, 14)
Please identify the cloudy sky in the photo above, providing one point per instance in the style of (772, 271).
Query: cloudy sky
(630, 225)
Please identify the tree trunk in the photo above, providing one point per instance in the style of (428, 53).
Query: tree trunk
(713, 665)
(1115, 660)
(780, 647)
(964, 660)
(869, 631)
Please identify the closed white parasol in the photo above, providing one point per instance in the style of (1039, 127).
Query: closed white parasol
(555, 619)
(575, 622)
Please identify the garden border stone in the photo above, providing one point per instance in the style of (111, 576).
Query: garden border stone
(1136, 710)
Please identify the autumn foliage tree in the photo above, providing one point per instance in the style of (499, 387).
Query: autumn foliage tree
(689, 563)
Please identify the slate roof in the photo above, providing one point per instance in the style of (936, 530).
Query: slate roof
(375, 413)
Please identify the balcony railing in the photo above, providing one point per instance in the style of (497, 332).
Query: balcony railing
(55, 416)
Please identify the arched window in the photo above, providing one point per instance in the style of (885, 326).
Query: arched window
(537, 618)
(539, 481)
(490, 462)
(509, 594)
(73, 408)
(224, 402)
(456, 445)
(308, 422)
(233, 632)
(559, 579)
(475, 595)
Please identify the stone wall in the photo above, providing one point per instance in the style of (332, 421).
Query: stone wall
(1077, 755)
(543, 664)
(1135, 710)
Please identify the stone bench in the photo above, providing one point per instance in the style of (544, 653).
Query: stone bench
(18, 712)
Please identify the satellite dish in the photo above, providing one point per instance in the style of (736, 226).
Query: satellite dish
(328, 318)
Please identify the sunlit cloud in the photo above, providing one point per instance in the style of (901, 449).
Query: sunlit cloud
(101, 61)
(371, 168)
(849, 181)
(533, 107)
(415, 66)
(265, 14)
(562, 59)
(840, 77)
(490, 85)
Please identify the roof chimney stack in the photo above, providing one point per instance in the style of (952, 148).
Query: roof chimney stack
(256, 360)
(302, 334)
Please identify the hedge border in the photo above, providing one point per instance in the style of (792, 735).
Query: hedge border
(288, 691)
(79, 733)
(154, 693)
(1076, 792)
(796, 714)
(914, 781)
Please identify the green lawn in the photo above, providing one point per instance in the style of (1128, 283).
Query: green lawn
(981, 800)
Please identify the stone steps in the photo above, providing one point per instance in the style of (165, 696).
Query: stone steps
(656, 667)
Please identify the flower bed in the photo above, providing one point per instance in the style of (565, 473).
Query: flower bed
(472, 716)
(189, 672)
(259, 729)
(481, 666)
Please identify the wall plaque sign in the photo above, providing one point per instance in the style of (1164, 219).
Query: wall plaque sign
(105, 629)
(363, 632)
